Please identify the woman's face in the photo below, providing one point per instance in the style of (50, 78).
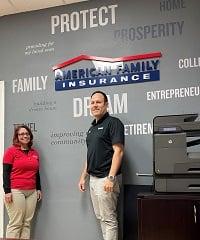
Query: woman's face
(23, 137)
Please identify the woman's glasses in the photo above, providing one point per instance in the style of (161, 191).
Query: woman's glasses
(24, 134)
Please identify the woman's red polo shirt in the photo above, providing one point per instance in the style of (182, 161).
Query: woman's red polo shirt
(24, 167)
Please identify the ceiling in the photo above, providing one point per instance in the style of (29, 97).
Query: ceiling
(8, 7)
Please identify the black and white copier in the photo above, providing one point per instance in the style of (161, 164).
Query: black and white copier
(176, 156)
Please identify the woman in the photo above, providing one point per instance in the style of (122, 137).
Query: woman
(21, 183)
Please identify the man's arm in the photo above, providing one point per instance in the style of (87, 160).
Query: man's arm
(116, 159)
(116, 164)
(82, 181)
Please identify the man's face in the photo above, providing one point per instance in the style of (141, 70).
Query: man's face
(98, 106)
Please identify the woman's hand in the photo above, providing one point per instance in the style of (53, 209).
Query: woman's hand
(39, 195)
(8, 197)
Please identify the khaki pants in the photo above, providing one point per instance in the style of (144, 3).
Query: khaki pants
(105, 206)
(20, 213)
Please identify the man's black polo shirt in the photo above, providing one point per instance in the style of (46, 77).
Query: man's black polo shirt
(100, 138)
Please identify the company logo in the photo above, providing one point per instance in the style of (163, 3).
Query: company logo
(102, 72)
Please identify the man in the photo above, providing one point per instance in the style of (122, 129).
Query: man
(105, 148)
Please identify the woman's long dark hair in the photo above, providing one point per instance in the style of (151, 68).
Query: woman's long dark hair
(15, 136)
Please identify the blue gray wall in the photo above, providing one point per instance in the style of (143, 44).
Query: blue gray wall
(32, 43)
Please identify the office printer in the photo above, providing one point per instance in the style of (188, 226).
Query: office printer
(176, 167)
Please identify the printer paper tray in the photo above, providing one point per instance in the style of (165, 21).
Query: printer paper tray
(184, 184)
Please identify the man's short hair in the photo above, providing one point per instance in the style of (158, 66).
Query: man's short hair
(104, 95)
